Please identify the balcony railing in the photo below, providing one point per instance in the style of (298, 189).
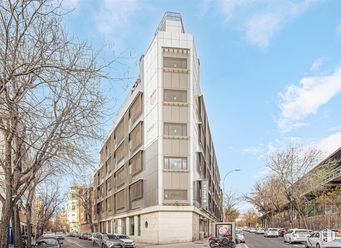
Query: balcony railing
(332, 175)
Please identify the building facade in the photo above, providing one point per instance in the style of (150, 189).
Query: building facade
(158, 179)
(73, 208)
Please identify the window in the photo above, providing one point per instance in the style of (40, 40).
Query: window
(136, 137)
(136, 108)
(175, 129)
(119, 200)
(171, 62)
(124, 229)
(175, 96)
(120, 177)
(136, 190)
(136, 164)
(139, 225)
(119, 131)
(121, 152)
(175, 163)
(173, 194)
(132, 226)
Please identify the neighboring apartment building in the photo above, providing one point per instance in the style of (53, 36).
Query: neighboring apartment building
(80, 208)
(158, 179)
(73, 208)
(86, 209)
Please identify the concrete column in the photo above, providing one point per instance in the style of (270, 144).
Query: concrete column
(127, 225)
(119, 225)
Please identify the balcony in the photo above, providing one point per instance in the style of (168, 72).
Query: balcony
(334, 176)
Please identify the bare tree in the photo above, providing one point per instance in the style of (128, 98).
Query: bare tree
(230, 204)
(267, 196)
(49, 201)
(50, 97)
(293, 167)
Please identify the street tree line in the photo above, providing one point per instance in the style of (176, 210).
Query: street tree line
(295, 178)
(50, 105)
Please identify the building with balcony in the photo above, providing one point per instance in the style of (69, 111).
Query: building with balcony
(158, 179)
(73, 208)
(323, 209)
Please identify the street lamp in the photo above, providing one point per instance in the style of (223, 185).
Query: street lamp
(228, 173)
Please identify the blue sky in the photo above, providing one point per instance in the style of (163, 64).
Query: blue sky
(270, 70)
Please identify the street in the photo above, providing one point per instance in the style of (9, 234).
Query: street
(259, 241)
(76, 243)
(72, 242)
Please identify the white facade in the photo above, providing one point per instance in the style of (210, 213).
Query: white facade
(156, 218)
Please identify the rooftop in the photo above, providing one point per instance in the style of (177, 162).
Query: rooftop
(170, 17)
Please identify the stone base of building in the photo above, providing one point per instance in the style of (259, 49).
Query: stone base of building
(161, 224)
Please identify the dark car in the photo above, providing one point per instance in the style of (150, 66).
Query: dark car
(48, 242)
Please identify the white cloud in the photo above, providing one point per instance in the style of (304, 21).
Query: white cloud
(330, 143)
(299, 101)
(333, 129)
(338, 29)
(261, 20)
(70, 4)
(114, 15)
(317, 64)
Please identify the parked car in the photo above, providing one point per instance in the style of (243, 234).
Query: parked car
(84, 236)
(240, 237)
(49, 235)
(260, 231)
(92, 236)
(60, 235)
(128, 243)
(252, 230)
(282, 232)
(107, 241)
(324, 239)
(296, 235)
(271, 232)
(49, 242)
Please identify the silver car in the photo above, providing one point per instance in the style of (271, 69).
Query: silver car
(128, 243)
(107, 241)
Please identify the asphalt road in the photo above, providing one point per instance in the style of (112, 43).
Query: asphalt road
(71, 242)
(258, 241)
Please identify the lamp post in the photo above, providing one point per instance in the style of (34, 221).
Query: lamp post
(228, 173)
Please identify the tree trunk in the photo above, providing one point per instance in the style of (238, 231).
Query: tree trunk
(29, 225)
(6, 217)
(17, 228)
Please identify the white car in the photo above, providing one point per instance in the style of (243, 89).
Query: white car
(324, 239)
(271, 232)
(252, 230)
(128, 243)
(296, 236)
(260, 231)
(240, 236)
